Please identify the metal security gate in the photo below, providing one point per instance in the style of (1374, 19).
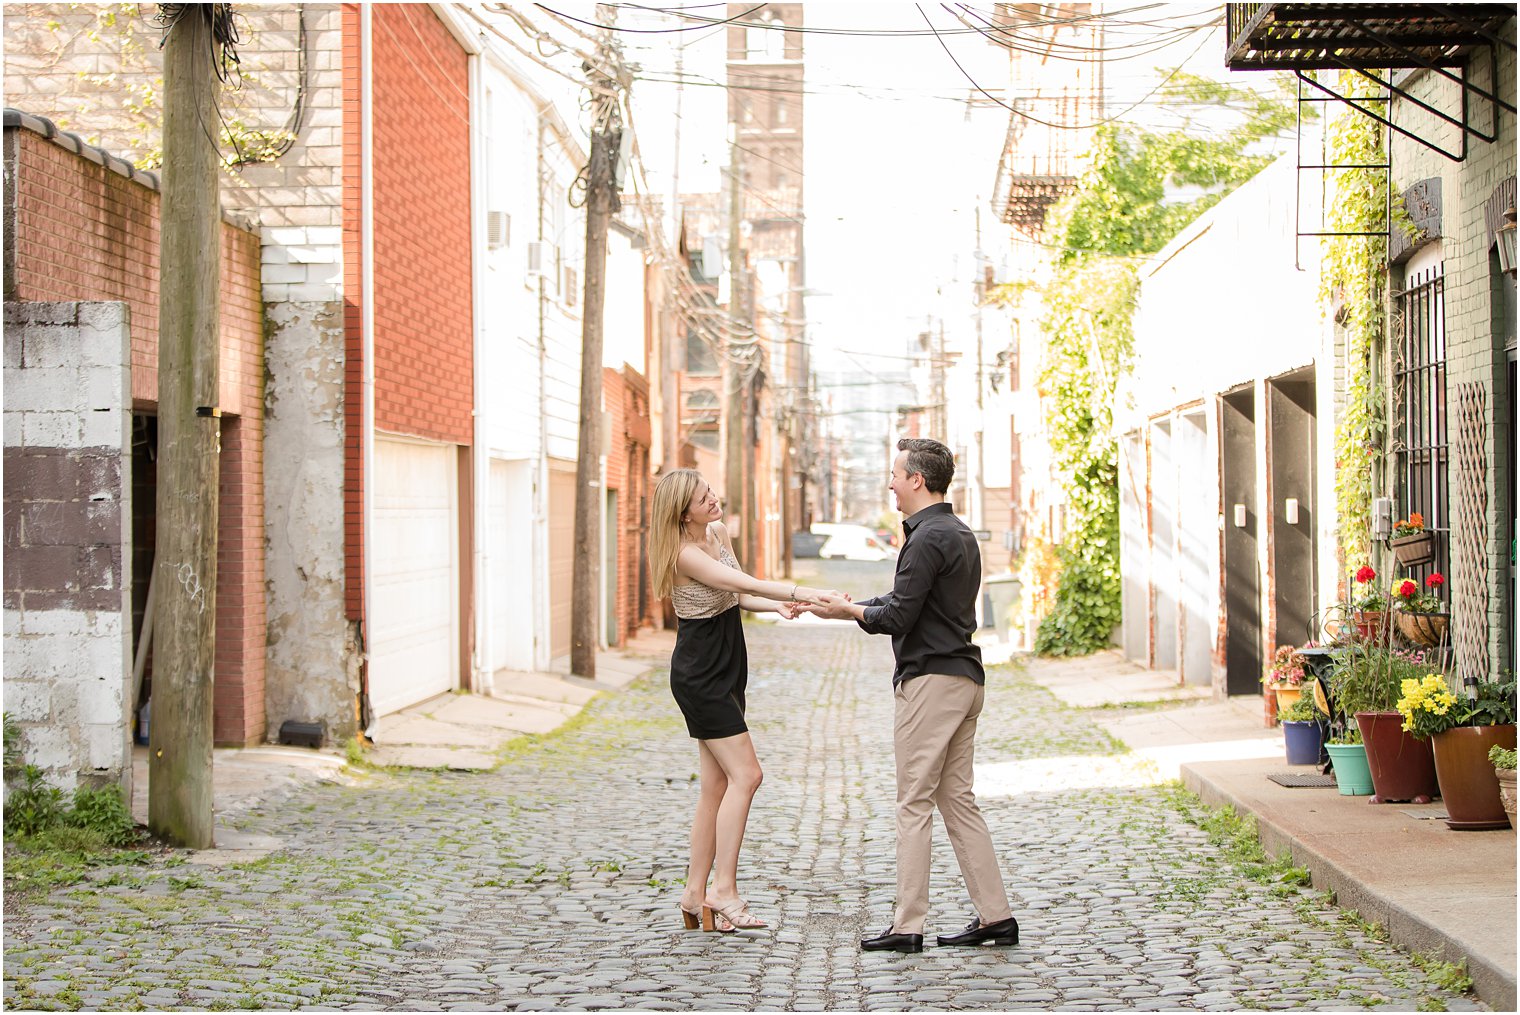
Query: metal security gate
(1420, 412)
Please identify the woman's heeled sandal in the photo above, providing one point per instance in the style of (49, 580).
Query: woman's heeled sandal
(690, 920)
(727, 919)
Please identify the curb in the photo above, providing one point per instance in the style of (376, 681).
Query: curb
(1492, 983)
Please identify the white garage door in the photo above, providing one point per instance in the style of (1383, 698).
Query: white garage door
(511, 565)
(415, 587)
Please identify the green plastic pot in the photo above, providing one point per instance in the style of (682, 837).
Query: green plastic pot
(1353, 777)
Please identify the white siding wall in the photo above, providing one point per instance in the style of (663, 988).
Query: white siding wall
(1224, 303)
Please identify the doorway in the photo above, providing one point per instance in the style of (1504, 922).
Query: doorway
(1197, 511)
(1293, 515)
(1163, 548)
(1242, 578)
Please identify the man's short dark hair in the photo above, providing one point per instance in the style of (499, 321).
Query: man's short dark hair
(930, 459)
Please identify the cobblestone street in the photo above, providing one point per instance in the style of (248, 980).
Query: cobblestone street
(552, 882)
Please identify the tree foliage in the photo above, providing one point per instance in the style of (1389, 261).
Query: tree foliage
(1140, 189)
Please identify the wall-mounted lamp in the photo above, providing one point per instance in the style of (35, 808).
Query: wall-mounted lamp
(1504, 236)
(1290, 511)
(1240, 516)
(1382, 517)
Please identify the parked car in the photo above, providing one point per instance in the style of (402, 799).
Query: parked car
(851, 542)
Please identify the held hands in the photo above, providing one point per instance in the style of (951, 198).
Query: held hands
(790, 611)
(831, 605)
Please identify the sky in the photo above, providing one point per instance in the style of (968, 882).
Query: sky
(901, 150)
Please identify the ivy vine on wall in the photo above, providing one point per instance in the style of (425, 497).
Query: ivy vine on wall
(1354, 285)
(1129, 203)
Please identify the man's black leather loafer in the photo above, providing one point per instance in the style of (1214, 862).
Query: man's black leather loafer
(887, 941)
(1004, 932)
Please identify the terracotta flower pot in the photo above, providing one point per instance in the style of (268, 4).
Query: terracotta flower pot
(1424, 629)
(1416, 549)
(1469, 787)
(1403, 767)
(1371, 625)
(1507, 792)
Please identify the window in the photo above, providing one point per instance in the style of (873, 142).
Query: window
(700, 420)
(701, 361)
(1419, 411)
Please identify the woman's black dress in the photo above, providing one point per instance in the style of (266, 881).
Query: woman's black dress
(710, 666)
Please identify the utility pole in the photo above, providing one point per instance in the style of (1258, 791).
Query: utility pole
(189, 434)
(733, 377)
(673, 331)
(601, 204)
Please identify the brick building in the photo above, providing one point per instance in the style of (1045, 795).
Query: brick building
(81, 297)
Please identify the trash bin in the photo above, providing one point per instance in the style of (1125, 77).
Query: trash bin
(1002, 591)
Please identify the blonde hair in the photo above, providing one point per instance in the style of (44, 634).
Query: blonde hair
(672, 496)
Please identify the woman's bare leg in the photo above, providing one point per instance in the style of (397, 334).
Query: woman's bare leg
(704, 828)
(736, 756)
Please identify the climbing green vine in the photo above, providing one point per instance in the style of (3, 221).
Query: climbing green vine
(1354, 285)
(1126, 205)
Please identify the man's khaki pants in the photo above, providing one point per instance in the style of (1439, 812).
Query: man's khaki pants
(934, 737)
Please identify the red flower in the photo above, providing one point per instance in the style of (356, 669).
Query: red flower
(1436, 580)
(1365, 574)
(1407, 588)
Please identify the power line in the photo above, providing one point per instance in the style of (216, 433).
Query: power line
(650, 31)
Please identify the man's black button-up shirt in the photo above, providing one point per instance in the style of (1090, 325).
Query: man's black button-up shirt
(931, 611)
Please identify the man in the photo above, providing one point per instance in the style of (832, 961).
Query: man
(938, 684)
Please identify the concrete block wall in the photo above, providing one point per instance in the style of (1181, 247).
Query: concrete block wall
(68, 512)
(1472, 353)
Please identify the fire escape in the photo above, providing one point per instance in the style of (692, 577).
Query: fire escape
(1380, 44)
(1049, 125)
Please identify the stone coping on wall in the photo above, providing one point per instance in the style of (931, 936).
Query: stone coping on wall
(71, 142)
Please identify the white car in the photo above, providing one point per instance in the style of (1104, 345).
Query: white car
(851, 542)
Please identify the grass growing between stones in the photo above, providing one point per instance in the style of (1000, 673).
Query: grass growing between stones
(59, 857)
(1236, 836)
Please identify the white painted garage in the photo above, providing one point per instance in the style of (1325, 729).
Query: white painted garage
(510, 560)
(415, 586)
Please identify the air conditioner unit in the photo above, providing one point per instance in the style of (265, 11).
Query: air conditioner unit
(540, 257)
(498, 230)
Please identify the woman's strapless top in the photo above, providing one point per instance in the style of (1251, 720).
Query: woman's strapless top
(698, 602)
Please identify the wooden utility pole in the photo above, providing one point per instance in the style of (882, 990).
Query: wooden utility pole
(601, 204)
(189, 437)
(733, 371)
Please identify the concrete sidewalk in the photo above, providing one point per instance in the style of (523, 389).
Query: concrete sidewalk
(1450, 894)
(459, 731)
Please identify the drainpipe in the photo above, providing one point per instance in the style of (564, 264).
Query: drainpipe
(480, 458)
(367, 320)
(543, 638)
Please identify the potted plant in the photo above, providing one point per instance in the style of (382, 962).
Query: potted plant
(1411, 542)
(1421, 616)
(1504, 767)
(1368, 610)
(1462, 730)
(1303, 731)
(1348, 760)
(1284, 677)
(1365, 681)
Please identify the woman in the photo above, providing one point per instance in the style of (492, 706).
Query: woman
(692, 561)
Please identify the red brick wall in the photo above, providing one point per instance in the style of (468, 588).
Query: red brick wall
(423, 322)
(86, 233)
(353, 318)
(626, 396)
(424, 377)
